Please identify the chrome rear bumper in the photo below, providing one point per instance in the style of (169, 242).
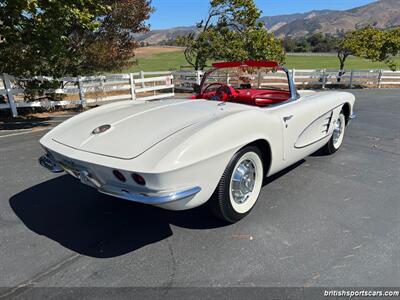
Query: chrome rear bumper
(154, 198)
(150, 198)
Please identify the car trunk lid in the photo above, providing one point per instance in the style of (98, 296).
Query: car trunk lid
(133, 128)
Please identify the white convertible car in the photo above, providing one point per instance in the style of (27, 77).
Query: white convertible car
(246, 122)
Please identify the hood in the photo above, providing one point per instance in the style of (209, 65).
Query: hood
(133, 128)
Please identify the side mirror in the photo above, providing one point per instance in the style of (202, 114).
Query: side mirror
(196, 88)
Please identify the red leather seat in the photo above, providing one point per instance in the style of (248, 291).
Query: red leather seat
(260, 97)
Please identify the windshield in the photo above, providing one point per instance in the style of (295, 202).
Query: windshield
(248, 78)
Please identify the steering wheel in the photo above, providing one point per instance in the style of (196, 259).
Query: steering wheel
(223, 93)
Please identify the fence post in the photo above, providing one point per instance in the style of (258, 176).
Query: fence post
(323, 78)
(198, 77)
(380, 78)
(102, 81)
(142, 77)
(351, 78)
(133, 86)
(10, 95)
(173, 84)
(294, 76)
(81, 91)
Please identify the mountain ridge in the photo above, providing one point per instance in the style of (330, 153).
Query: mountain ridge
(381, 14)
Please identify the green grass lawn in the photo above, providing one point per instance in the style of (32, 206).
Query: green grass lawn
(175, 60)
(169, 61)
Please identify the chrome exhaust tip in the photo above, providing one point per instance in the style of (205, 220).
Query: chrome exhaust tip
(50, 164)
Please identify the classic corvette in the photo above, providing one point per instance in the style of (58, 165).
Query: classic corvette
(247, 122)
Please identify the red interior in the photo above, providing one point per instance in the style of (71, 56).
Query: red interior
(245, 94)
(250, 96)
(260, 97)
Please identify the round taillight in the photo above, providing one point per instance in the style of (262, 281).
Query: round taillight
(138, 179)
(119, 175)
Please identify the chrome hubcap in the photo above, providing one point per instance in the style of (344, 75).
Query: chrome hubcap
(337, 132)
(243, 181)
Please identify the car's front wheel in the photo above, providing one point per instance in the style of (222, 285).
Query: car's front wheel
(336, 140)
(238, 190)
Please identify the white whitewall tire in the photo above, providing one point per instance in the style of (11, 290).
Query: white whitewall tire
(240, 185)
(336, 141)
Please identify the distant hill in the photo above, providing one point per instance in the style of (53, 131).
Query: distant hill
(274, 23)
(381, 14)
(154, 37)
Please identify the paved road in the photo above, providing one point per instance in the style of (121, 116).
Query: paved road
(328, 221)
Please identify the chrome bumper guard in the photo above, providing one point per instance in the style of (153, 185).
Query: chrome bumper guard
(350, 119)
(146, 197)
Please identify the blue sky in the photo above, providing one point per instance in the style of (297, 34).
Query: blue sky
(174, 13)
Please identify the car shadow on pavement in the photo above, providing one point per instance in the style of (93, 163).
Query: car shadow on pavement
(96, 225)
(30, 123)
(319, 153)
(270, 179)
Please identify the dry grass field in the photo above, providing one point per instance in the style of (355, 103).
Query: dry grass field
(153, 50)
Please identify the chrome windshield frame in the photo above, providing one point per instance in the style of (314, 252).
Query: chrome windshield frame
(292, 87)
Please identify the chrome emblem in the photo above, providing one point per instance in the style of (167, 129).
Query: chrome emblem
(101, 129)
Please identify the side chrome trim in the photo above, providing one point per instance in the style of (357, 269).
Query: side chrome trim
(149, 198)
(302, 147)
(50, 164)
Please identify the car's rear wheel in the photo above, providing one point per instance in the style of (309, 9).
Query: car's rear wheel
(238, 190)
(336, 140)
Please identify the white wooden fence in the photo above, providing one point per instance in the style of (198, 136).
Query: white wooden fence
(90, 90)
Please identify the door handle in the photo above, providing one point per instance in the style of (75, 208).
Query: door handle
(287, 118)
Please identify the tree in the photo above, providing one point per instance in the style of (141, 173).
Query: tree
(69, 37)
(289, 44)
(302, 45)
(322, 42)
(370, 43)
(315, 40)
(231, 31)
